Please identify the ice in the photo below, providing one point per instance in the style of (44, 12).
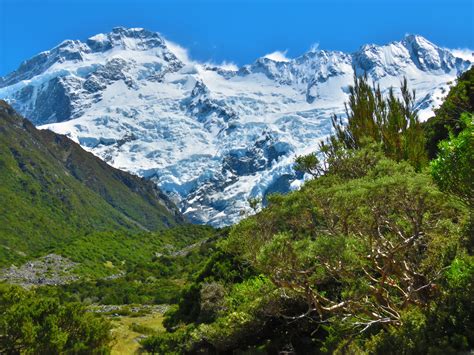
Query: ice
(211, 136)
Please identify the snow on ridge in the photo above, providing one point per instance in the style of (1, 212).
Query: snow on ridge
(210, 135)
(463, 53)
(278, 56)
(99, 37)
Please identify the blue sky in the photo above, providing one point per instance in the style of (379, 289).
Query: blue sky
(234, 31)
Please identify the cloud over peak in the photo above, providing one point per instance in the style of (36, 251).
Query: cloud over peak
(278, 56)
(180, 52)
(463, 53)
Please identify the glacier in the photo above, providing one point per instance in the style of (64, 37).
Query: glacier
(210, 136)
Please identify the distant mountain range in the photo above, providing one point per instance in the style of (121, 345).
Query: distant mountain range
(208, 135)
(53, 191)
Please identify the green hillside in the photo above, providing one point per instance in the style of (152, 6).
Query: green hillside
(52, 191)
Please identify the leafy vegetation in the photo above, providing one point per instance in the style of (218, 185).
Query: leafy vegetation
(447, 117)
(145, 269)
(44, 325)
(368, 257)
(453, 169)
(103, 254)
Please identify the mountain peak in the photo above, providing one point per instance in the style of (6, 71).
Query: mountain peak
(121, 29)
(196, 129)
(126, 38)
(134, 32)
(419, 43)
(121, 38)
(426, 55)
(413, 50)
(417, 39)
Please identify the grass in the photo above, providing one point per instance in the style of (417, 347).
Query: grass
(129, 330)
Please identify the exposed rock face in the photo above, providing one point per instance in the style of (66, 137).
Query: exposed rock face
(74, 82)
(208, 136)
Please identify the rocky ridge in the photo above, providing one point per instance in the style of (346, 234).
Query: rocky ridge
(210, 137)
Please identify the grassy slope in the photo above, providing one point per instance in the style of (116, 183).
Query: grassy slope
(126, 336)
(52, 191)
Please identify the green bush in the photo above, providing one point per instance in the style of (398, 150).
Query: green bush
(447, 120)
(33, 324)
(453, 169)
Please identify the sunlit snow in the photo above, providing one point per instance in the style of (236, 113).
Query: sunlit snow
(212, 136)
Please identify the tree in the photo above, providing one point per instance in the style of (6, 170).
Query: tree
(453, 170)
(392, 122)
(359, 248)
(33, 324)
(309, 164)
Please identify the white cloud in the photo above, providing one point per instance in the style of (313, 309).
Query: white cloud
(464, 53)
(314, 47)
(180, 52)
(183, 55)
(223, 65)
(278, 56)
(228, 66)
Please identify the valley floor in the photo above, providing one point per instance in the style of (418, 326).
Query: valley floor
(129, 330)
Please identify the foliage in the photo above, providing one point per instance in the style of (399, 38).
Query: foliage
(43, 325)
(447, 327)
(220, 268)
(386, 120)
(107, 253)
(453, 169)
(167, 343)
(378, 244)
(309, 164)
(447, 119)
(252, 320)
(118, 268)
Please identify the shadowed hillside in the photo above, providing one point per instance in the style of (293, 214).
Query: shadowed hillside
(52, 190)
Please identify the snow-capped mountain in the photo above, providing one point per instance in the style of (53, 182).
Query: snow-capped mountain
(210, 137)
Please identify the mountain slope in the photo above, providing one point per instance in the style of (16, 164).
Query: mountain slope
(53, 191)
(210, 137)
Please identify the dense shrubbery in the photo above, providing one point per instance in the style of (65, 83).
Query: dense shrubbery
(447, 120)
(453, 169)
(30, 323)
(221, 269)
(370, 256)
(144, 267)
(106, 253)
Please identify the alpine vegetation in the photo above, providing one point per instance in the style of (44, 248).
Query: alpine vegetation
(322, 204)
